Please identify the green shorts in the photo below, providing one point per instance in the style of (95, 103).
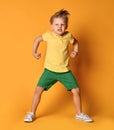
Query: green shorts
(49, 78)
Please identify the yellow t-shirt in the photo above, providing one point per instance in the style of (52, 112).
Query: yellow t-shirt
(57, 53)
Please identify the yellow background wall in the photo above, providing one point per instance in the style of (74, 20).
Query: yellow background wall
(92, 22)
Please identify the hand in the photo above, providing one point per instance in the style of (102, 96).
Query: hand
(37, 55)
(73, 54)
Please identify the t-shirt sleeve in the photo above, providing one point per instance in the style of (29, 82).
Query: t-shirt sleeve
(45, 36)
(71, 37)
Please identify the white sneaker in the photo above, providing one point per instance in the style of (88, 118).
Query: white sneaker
(84, 117)
(29, 117)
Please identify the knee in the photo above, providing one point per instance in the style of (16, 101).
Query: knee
(39, 90)
(75, 91)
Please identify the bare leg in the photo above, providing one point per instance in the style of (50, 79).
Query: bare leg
(77, 100)
(36, 98)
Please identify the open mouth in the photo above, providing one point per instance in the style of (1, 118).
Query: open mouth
(60, 30)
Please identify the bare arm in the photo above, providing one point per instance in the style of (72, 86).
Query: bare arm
(75, 51)
(35, 47)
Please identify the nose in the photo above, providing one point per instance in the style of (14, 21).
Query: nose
(60, 25)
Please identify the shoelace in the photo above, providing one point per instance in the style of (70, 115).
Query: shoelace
(85, 116)
(29, 115)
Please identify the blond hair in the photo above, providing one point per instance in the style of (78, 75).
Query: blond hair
(60, 14)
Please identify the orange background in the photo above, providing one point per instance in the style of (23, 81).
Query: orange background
(92, 22)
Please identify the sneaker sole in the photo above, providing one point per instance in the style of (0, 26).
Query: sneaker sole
(88, 121)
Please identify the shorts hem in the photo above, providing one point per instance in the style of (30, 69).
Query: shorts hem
(72, 88)
(45, 88)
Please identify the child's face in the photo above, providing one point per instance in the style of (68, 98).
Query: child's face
(59, 26)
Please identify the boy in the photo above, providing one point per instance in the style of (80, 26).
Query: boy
(57, 63)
